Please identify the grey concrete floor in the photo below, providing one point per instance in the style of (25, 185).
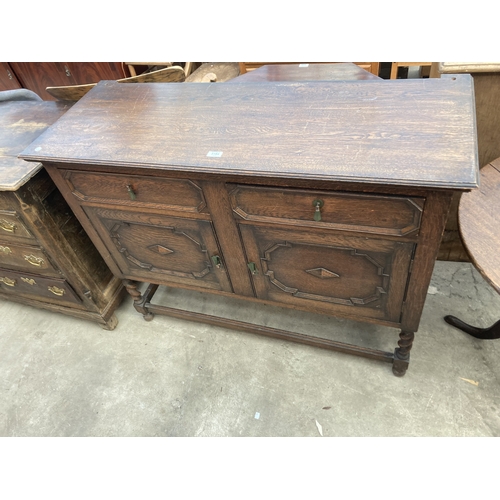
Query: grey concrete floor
(61, 376)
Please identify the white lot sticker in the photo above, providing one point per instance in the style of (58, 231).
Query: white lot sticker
(214, 154)
(303, 65)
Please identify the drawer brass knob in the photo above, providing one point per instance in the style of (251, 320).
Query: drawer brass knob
(5, 250)
(131, 192)
(8, 281)
(7, 226)
(34, 261)
(56, 291)
(318, 205)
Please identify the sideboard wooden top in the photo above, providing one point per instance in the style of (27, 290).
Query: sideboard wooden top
(20, 123)
(417, 132)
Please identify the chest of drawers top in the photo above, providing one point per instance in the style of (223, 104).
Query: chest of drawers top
(20, 123)
(403, 133)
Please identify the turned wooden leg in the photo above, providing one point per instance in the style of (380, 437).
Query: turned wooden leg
(131, 287)
(491, 333)
(402, 353)
(141, 301)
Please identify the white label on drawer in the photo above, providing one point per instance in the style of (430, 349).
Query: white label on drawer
(214, 154)
(303, 65)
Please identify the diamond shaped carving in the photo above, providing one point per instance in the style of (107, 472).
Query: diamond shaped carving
(321, 272)
(160, 249)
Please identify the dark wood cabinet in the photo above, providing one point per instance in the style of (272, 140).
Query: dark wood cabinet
(8, 79)
(46, 258)
(328, 197)
(37, 76)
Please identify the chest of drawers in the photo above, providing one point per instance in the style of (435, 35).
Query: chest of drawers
(46, 258)
(326, 197)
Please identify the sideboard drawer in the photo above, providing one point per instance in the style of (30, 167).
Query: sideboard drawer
(25, 258)
(132, 190)
(39, 287)
(12, 225)
(378, 214)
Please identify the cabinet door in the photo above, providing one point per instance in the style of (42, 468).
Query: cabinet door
(8, 80)
(162, 250)
(329, 272)
(37, 76)
(93, 72)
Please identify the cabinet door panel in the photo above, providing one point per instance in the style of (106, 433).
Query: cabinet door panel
(37, 76)
(8, 80)
(162, 250)
(334, 273)
(93, 72)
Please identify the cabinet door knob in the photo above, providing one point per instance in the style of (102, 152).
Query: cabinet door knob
(253, 268)
(217, 262)
(131, 192)
(318, 205)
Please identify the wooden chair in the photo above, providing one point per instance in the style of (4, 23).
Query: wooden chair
(188, 68)
(396, 65)
(76, 92)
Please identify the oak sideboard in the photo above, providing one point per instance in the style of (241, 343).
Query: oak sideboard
(329, 197)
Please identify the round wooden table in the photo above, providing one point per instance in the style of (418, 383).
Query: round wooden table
(479, 222)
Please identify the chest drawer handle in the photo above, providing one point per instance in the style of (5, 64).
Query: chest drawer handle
(30, 281)
(7, 226)
(56, 291)
(5, 250)
(8, 281)
(318, 205)
(131, 192)
(34, 261)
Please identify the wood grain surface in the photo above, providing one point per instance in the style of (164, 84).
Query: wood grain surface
(306, 72)
(20, 123)
(479, 218)
(402, 132)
